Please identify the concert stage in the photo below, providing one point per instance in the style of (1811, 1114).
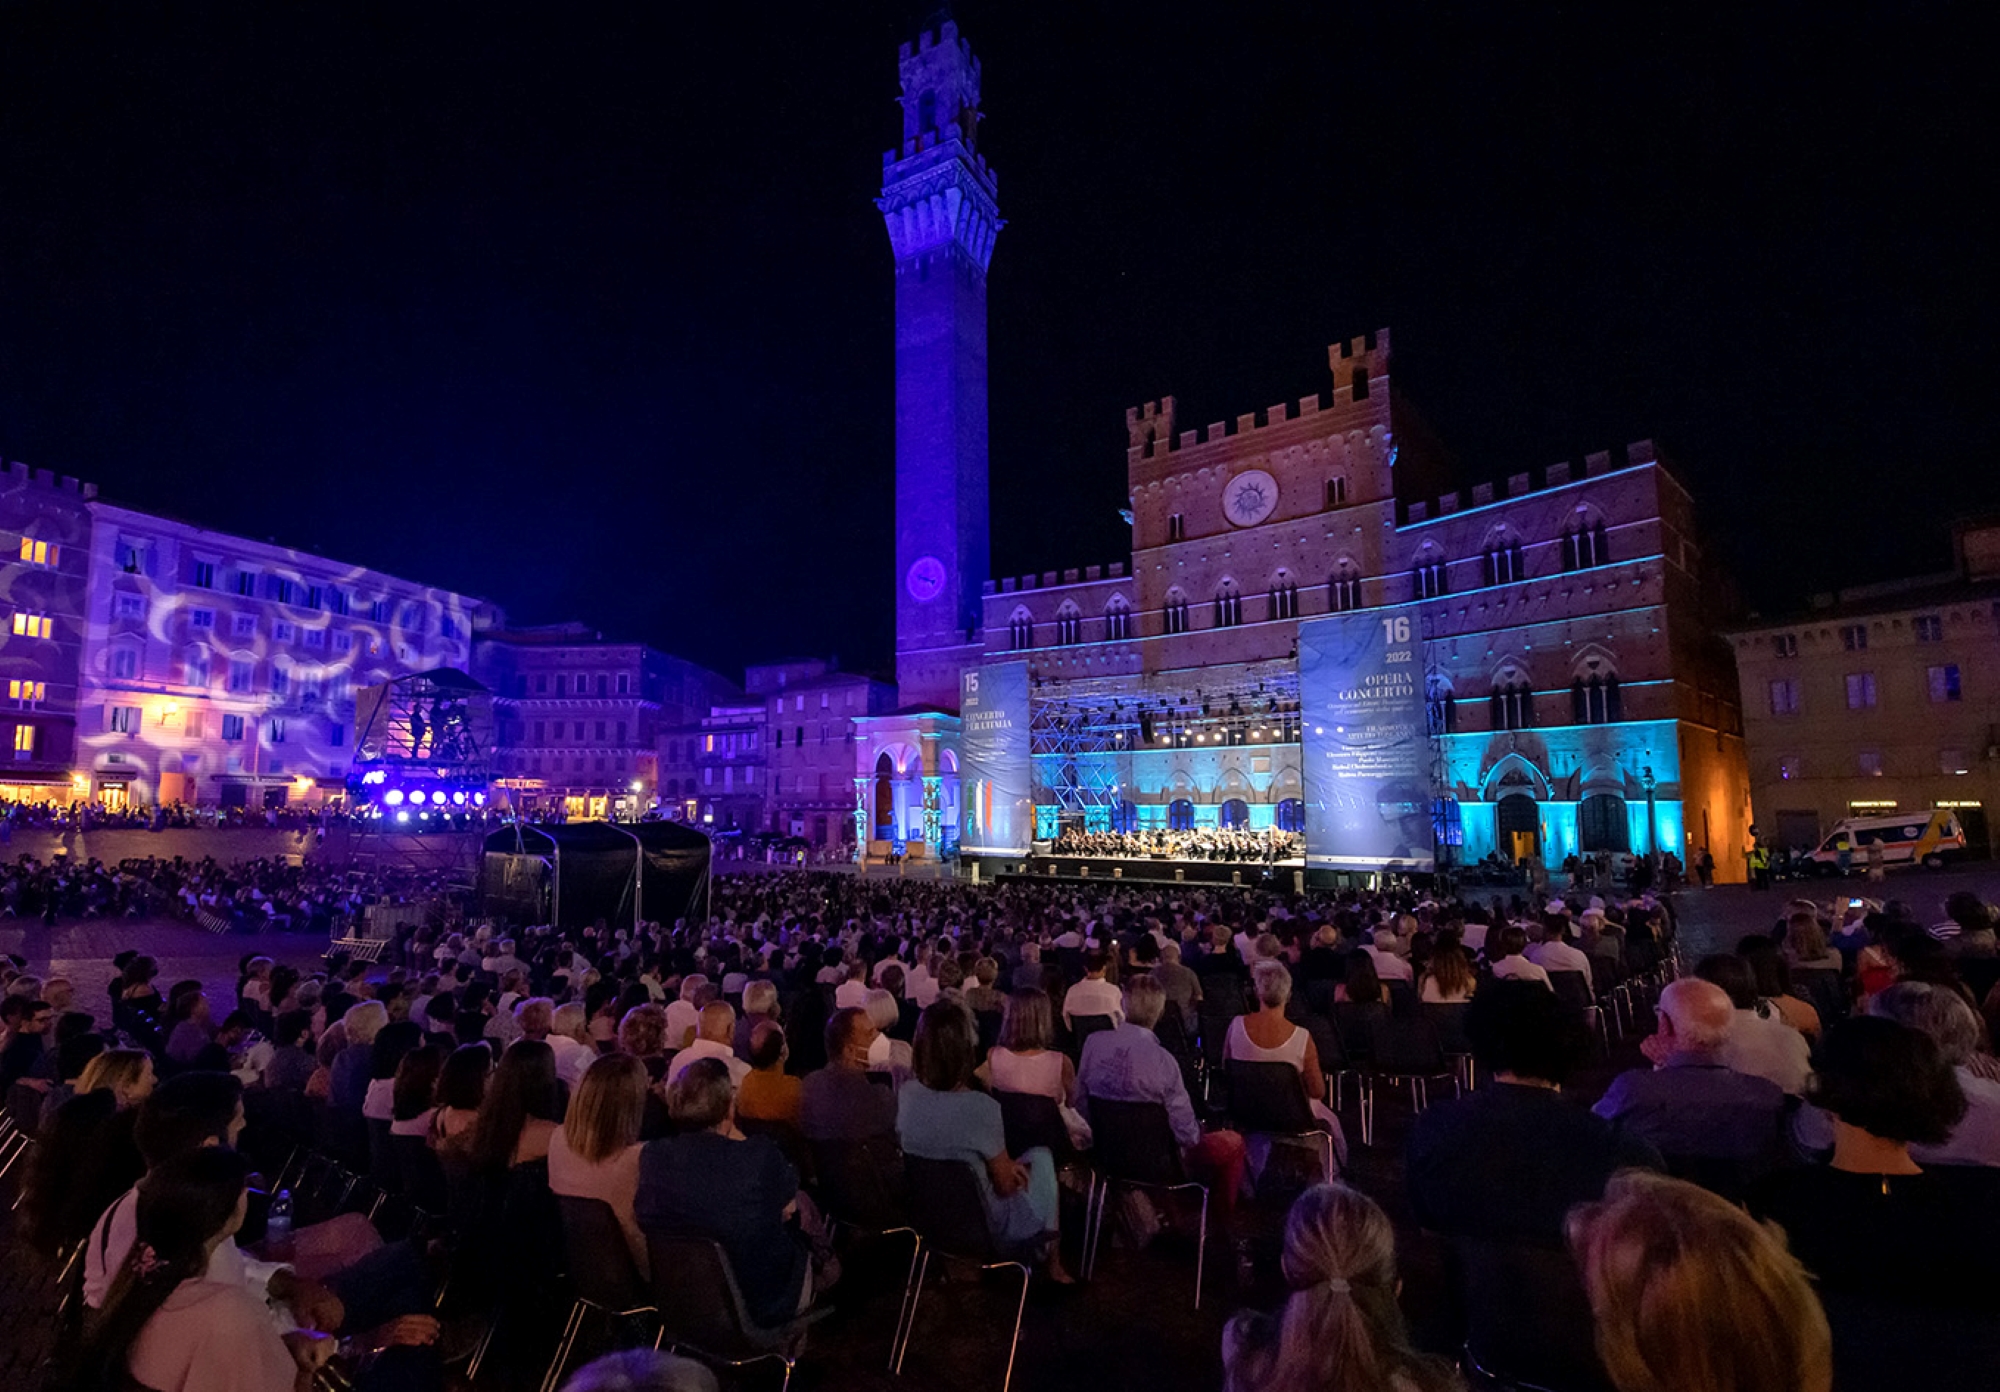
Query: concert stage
(1282, 875)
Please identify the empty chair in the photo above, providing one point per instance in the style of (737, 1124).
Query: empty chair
(1269, 1100)
(1356, 1021)
(949, 1212)
(1448, 1023)
(861, 1187)
(702, 1310)
(1571, 989)
(601, 1272)
(1409, 1051)
(1034, 1120)
(421, 1176)
(1133, 1144)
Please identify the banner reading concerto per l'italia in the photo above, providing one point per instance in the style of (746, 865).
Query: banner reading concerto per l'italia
(997, 810)
(1367, 750)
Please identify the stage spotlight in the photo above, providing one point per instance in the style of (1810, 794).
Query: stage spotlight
(458, 799)
(402, 816)
(393, 797)
(479, 799)
(417, 796)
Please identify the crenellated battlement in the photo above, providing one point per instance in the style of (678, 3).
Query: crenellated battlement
(20, 474)
(1055, 579)
(1357, 366)
(1558, 475)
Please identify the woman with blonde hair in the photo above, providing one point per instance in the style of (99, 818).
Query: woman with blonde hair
(596, 1153)
(128, 1073)
(1025, 1061)
(1689, 1291)
(1341, 1329)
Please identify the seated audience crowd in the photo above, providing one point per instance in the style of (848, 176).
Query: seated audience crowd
(1799, 1189)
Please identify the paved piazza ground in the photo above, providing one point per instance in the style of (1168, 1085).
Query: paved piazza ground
(1133, 1327)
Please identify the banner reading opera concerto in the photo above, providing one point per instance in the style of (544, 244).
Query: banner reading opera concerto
(997, 811)
(1367, 751)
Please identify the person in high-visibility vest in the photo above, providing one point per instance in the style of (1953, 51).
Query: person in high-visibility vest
(1760, 866)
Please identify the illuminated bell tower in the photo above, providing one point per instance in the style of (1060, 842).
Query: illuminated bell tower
(938, 201)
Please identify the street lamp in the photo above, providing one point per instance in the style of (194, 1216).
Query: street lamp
(1647, 781)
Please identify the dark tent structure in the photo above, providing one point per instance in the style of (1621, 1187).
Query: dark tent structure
(575, 873)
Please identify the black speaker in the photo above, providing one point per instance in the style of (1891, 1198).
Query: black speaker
(1146, 726)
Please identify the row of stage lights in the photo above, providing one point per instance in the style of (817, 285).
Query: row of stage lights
(417, 797)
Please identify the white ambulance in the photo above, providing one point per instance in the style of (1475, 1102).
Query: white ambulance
(1907, 838)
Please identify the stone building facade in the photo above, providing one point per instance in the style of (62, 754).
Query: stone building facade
(44, 587)
(813, 712)
(1579, 697)
(1879, 698)
(220, 670)
(580, 718)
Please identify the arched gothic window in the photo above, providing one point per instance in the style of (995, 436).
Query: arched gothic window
(1176, 612)
(1343, 592)
(1583, 543)
(1284, 597)
(1021, 631)
(1117, 619)
(1069, 625)
(1228, 605)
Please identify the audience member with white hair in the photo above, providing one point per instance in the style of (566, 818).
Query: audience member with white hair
(1692, 1105)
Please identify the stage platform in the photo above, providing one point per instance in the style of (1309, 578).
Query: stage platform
(1283, 875)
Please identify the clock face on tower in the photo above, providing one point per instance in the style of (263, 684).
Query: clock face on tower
(1249, 498)
(925, 582)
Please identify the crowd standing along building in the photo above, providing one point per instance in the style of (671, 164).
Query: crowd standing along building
(1578, 697)
(1878, 699)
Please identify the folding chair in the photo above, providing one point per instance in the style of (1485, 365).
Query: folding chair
(1269, 1100)
(1133, 1144)
(702, 1308)
(949, 1210)
(601, 1272)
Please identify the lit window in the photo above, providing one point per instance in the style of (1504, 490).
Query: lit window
(1929, 628)
(41, 553)
(1944, 683)
(24, 741)
(34, 625)
(1860, 690)
(27, 693)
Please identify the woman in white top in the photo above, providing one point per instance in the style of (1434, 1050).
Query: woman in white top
(171, 1325)
(1266, 1036)
(883, 1014)
(1448, 979)
(1023, 1061)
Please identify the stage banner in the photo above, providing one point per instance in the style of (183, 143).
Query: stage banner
(996, 807)
(1367, 748)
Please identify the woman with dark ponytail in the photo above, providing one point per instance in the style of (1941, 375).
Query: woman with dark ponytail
(165, 1324)
(1341, 1329)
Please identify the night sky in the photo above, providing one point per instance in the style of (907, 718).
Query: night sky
(586, 308)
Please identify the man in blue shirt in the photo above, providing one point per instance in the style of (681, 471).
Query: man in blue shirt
(1127, 1063)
